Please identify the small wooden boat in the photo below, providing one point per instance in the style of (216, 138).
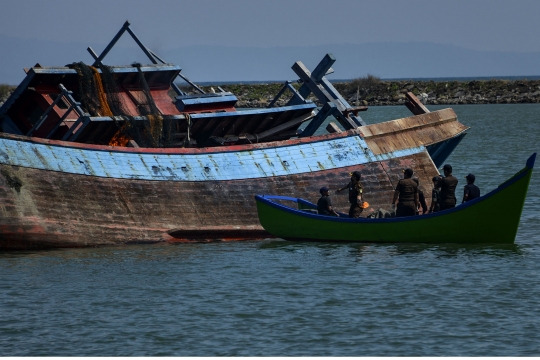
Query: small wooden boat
(492, 218)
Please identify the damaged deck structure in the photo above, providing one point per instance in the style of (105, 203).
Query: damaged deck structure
(103, 155)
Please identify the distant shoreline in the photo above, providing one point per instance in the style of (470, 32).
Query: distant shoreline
(382, 92)
(376, 92)
(335, 81)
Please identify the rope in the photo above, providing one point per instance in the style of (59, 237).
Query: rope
(187, 139)
(103, 103)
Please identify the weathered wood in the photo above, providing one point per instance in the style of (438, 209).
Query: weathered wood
(332, 128)
(98, 210)
(309, 82)
(320, 71)
(354, 110)
(328, 109)
(132, 144)
(414, 131)
(111, 44)
(289, 124)
(317, 83)
(415, 105)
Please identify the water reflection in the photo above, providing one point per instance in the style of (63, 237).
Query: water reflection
(362, 249)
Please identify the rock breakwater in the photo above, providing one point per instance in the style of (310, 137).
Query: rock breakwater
(375, 92)
(5, 91)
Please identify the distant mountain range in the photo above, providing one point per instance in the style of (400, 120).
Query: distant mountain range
(233, 64)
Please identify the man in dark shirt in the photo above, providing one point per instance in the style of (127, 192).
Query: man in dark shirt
(356, 196)
(407, 190)
(421, 199)
(448, 188)
(471, 191)
(324, 205)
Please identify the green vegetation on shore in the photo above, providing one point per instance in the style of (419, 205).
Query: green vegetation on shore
(5, 91)
(373, 91)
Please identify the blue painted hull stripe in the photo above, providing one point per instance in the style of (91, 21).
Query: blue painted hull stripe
(249, 164)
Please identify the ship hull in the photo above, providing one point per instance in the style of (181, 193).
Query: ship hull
(57, 194)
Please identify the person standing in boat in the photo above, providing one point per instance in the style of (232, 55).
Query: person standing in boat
(356, 194)
(471, 191)
(407, 193)
(448, 188)
(435, 195)
(324, 205)
(421, 199)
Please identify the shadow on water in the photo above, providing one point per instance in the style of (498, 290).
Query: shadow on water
(441, 250)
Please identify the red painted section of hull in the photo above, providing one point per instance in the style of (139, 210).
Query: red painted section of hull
(54, 209)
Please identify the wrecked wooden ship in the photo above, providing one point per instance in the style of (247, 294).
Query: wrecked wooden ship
(96, 155)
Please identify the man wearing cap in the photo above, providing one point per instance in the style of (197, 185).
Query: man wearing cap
(407, 191)
(356, 197)
(471, 191)
(324, 205)
(448, 188)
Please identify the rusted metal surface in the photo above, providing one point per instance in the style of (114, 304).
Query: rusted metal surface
(419, 130)
(57, 209)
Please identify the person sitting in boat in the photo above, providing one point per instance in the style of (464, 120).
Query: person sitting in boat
(471, 191)
(324, 205)
(356, 196)
(448, 188)
(435, 195)
(407, 191)
(421, 199)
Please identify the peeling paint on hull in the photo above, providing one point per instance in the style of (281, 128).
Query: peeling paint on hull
(75, 209)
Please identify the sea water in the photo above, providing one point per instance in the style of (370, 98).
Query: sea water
(273, 297)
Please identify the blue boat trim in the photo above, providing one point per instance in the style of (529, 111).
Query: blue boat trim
(267, 199)
(254, 111)
(263, 162)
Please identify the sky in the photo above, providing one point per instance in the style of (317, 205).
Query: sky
(475, 24)
(479, 25)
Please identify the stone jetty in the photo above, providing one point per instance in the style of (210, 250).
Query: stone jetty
(375, 92)
(372, 91)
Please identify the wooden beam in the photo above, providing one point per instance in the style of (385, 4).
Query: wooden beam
(328, 109)
(312, 84)
(333, 128)
(287, 125)
(415, 105)
(111, 44)
(354, 110)
(275, 131)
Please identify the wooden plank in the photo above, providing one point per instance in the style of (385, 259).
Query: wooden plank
(289, 124)
(333, 128)
(415, 105)
(425, 129)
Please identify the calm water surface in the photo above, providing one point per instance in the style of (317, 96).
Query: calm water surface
(284, 298)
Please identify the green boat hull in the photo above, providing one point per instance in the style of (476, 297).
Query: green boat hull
(490, 219)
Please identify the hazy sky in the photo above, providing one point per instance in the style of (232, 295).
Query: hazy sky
(500, 25)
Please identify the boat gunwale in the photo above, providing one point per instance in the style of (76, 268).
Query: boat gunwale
(184, 151)
(265, 199)
(204, 150)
